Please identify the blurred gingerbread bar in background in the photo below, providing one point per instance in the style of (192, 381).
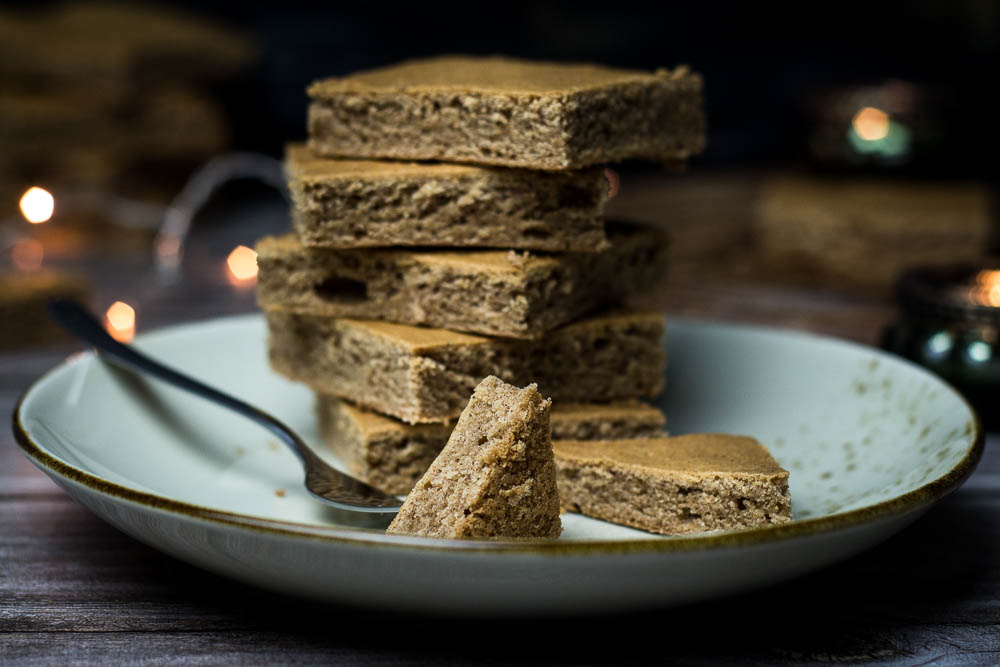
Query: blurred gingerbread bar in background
(866, 233)
(128, 86)
(110, 107)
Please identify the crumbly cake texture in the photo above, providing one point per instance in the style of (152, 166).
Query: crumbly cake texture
(392, 455)
(424, 375)
(508, 112)
(683, 484)
(492, 292)
(350, 204)
(495, 478)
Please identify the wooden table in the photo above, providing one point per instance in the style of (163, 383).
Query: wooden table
(73, 589)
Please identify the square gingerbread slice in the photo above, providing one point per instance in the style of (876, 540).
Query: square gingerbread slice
(392, 455)
(495, 478)
(508, 112)
(423, 375)
(683, 484)
(492, 292)
(355, 204)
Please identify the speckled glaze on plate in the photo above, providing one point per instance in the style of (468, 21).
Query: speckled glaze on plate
(871, 442)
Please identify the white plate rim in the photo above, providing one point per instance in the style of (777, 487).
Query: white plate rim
(910, 501)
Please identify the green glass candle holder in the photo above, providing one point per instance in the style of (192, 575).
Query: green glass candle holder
(950, 324)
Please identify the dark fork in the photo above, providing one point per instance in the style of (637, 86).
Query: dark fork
(323, 481)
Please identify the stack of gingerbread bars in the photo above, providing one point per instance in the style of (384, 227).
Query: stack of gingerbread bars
(449, 226)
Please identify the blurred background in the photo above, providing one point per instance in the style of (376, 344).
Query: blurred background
(848, 143)
(767, 71)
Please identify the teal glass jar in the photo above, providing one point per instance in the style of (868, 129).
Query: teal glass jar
(950, 324)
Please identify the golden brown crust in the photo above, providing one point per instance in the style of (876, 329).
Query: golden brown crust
(420, 340)
(457, 74)
(301, 163)
(687, 454)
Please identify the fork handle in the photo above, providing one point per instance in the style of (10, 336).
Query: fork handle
(76, 320)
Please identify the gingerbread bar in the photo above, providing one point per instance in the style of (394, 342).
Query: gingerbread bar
(683, 484)
(426, 375)
(353, 204)
(508, 112)
(493, 292)
(392, 455)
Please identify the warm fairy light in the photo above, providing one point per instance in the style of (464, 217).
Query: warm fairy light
(871, 124)
(37, 205)
(987, 289)
(242, 264)
(120, 321)
(27, 255)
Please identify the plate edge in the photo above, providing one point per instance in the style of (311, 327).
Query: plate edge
(910, 501)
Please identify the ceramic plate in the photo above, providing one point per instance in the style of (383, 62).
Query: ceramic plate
(871, 442)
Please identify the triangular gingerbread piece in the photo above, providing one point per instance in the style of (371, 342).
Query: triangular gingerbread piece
(496, 476)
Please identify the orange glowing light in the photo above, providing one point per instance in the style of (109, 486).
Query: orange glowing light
(871, 124)
(120, 321)
(27, 255)
(987, 289)
(242, 264)
(37, 205)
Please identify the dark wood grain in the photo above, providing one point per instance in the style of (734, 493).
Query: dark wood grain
(926, 594)
(75, 590)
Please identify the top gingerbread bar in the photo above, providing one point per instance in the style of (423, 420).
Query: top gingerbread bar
(500, 111)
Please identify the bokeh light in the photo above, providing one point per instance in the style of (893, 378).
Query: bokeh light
(37, 205)
(242, 265)
(871, 124)
(120, 321)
